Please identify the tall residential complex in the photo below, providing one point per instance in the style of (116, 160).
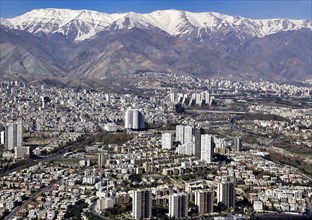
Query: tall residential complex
(237, 144)
(142, 204)
(134, 119)
(13, 135)
(197, 135)
(204, 201)
(166, 141)
(186, 138)
(178, 205)
(207, 145)
(226, 194)
(102, 158)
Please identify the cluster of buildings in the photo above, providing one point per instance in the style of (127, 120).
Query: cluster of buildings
(297, 123)
(12, 139)
(217, 86)
(178, 169)
(197, 98)
(175, 199)
(189, 140)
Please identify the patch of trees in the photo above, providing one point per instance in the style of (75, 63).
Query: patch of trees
(118, 138)
(74, 211)
(260, 116)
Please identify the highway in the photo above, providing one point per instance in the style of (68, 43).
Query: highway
(51, 156)
(218, 112)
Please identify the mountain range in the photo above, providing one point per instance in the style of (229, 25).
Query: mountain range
(82, 44)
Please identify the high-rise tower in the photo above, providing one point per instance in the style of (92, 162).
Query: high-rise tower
(207, 145)
(134, 119)
(204, 201)
(142, 204)
(178, 205)
(226, 194)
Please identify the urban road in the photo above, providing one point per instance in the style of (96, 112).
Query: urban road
(26, 202)
(51, 156)
(33, 162)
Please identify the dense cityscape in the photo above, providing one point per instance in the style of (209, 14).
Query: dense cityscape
(175, 147)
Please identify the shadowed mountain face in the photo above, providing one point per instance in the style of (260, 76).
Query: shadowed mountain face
(131, 44)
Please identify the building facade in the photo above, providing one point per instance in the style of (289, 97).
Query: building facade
(204, 201)
(226, 194)
(142, 204)
(178, 205)
(13, 135)
(166, 141)
(207, 146)
(134, 119)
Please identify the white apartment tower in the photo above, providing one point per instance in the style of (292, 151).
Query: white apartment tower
(188, 134)
(166, 141)
(206, 153)
(134, 119)
(2, 137)
(19, 134)
(142, 204)
(173, 95)
(180, 134)
(207, 97)
(13, 136)
(185, 137)
(178, 205)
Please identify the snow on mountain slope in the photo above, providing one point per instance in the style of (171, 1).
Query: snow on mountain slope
(79, 25)
(82, 24)
(5, 23)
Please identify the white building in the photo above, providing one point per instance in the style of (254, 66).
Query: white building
(258, 206)
(13, 135)
(110, 127)
(207, 144)
(180, 134)
(207, 97)
(166, 141)
(173, 96)
(2, 135)
(134, 119)
(186, 139)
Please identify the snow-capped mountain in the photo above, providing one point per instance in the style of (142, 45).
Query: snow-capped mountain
(79, 25)
(93, 45)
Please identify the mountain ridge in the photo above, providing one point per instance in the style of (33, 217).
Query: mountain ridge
(174, 22)
(92, 45)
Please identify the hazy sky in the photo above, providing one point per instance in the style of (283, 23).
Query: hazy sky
(295, 9)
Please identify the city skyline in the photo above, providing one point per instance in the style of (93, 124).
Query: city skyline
(156, 114)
